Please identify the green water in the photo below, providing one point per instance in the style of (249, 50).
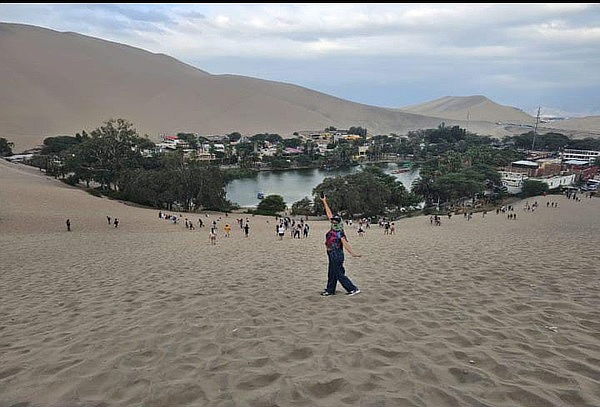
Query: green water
(294, 185)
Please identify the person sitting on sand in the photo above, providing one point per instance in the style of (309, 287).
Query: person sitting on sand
(336, 242)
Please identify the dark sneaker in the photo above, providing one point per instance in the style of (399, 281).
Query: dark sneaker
(353, 292)
(326, 293)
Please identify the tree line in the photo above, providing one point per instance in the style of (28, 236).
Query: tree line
(117, 159)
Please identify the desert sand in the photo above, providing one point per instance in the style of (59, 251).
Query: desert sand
(487, 312)
(56, 83)
(477, 108)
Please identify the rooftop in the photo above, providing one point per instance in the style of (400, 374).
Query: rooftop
(525, 162)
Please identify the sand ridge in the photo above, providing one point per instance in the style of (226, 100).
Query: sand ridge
(487, 312)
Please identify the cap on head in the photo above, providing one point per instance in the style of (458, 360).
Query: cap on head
(336, 218)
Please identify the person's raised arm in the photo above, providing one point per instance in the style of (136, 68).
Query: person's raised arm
(348, 248)
(327, 209)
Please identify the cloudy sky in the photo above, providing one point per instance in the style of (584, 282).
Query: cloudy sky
(380, 54)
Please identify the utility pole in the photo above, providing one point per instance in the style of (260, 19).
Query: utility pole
(537, 120)
(468, 119)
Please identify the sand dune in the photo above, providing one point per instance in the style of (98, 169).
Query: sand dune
(487, 312)
(478, 107)
(60, 83)
(588, 123)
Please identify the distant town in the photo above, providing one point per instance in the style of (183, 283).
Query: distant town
(454, 165)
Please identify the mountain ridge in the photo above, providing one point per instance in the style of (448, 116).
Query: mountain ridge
(476, 107)
(61, 83)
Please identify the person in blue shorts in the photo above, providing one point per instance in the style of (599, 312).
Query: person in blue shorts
(336, 242)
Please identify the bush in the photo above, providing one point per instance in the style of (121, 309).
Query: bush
(271, 205)
(94, 192)
(71, 180)
(302, 207)
(533, 188)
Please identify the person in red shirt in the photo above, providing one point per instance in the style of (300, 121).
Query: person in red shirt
(336, 242)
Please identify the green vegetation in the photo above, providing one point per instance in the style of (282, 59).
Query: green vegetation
(271, 205)
(189, 138)
(271, 138)
(237, 173)
(533, 188)
(59, 144)
(112, 156)
(366, 193)
(5, 147)
(464, 170)
(552, 142)
(302, 207)
(358, 131)
(233, 137)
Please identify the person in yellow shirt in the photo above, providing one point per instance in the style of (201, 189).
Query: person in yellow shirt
(227, 230)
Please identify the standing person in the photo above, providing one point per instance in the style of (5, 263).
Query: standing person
(281, 231)
(116, 223)
(68, 225)
(392, 229)
(246, 228)
(108, 219)
(297, 231)
(227, 229)
(306, 228)
(212, 237)
(336, 242)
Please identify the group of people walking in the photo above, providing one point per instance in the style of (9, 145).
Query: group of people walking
(298, 229)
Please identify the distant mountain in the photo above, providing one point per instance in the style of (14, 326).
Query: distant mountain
(477, 108)
(61, 83)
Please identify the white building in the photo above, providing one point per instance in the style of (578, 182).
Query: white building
(513, 181)
(18, 158)
(583, 155)
(557, 180)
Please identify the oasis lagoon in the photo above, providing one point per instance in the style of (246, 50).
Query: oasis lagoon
(293, 185)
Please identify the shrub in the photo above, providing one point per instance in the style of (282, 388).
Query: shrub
(271, 205)
(533, 188)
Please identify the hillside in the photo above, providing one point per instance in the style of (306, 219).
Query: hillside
(588, 124)
(478, 107)
(60, 83)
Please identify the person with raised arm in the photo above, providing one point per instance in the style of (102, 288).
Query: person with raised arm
(336, 242)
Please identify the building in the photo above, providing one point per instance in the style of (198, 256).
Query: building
(556, 181)
(582, 155)
(582, 168)
(547, 170)
(512, 180)
(362, 153)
